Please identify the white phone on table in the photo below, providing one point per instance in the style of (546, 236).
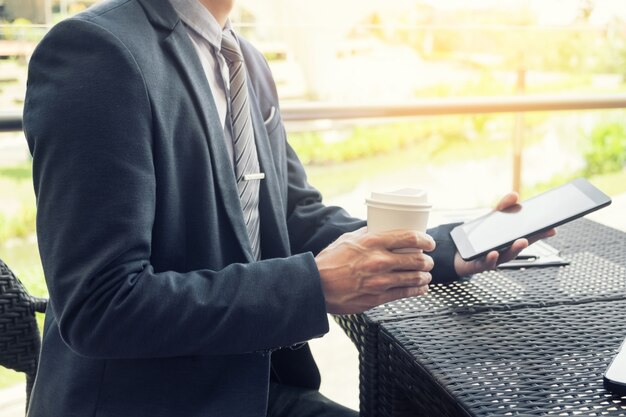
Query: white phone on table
(615, 375)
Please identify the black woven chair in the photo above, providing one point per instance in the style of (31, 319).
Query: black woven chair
(19, 335)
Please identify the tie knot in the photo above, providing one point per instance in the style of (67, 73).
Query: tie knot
(230, 48)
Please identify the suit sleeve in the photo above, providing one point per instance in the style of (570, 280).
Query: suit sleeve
(312, 225)
(443, 272)
(89, 124)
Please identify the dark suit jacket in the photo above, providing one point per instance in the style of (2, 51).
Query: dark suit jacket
(156, 308)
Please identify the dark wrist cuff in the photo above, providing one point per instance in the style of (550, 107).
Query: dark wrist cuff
(443, 255)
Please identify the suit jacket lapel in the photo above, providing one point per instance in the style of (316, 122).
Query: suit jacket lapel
(178, 44)
(271, 204)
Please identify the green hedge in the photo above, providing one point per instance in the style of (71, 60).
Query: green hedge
(606, 149)
(323, 148)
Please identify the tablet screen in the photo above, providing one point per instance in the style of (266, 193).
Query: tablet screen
(534, 214)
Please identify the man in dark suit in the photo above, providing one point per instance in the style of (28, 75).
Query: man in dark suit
(164, 301)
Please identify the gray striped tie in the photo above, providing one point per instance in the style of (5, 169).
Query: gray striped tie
(246, 159)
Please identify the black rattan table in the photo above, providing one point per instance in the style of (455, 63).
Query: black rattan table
(532, 342)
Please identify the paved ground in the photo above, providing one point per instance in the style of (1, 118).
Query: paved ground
(12, 401)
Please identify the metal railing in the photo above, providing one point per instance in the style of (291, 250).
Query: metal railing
(429, 107)
(10, 122)
(444, 107)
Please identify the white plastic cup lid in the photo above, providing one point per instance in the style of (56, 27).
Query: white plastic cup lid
(404, 197)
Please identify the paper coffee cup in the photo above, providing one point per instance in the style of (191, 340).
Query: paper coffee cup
(407, 208)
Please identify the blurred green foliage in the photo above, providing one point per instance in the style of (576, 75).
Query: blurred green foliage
(324, 148)
(20, 29)
(17, 210)
(430, 135)
(606, 149)
(17, 172)
(20, 224)
(581, 48)
(604, 152)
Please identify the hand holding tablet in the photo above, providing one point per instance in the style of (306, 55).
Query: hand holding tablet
(497, 230)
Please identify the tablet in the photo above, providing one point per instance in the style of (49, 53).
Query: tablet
(497, 230)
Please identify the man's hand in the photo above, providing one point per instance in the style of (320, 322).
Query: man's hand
(360, 270)
(494, 258)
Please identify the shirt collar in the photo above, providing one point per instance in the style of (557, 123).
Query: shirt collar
(200, 20)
